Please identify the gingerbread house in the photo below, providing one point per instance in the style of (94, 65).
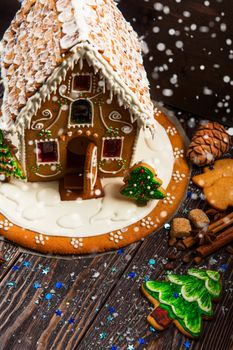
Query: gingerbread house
(76, 93)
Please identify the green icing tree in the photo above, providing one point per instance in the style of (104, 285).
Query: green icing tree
(9, 165)
(142, 184)
(184, 298)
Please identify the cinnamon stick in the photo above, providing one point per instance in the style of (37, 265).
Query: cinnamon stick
(214, 228)
(221, 240)
(221, 224)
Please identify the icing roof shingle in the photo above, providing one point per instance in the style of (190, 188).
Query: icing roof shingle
(43, 32)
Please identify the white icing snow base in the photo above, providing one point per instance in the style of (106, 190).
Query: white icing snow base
(37, 206)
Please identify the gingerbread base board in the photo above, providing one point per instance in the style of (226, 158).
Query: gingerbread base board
(160, 214)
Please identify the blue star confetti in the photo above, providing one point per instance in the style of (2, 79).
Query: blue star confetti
(141, 341)
(176, 295)
(36, 285)
(103, 335)
(152, 329)
(58, 312)
(15, 268)
(45, 271)
(130, 347)
(109, 318)
(11, 284)
(187, 345)
(113, 347)
(26, 264)
(48, 296)
(58, 285)
(111, 309)
(71, 321)
(132, 274)
(152, 262)
(223, 268)
(120, 251)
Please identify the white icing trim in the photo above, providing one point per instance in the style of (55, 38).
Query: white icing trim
(23, 151)
(116, 117)
(102, 117)
(83, 50)
(132, 162)
(111, 171)
(37, 125)
(94, 168)
(80, 11)
(51, 175)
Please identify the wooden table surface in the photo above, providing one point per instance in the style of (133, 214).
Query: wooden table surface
(94, 302)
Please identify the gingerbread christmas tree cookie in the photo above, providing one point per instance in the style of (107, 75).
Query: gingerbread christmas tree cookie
(184, 300)
(142, 184)
(9, 165)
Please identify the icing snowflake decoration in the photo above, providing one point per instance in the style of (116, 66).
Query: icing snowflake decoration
(178, 153)
(116, 236)
(5, 225)
(171, 131)
(177, 176)
(169, 199)
(40, 239)
(77, 242)
(147, 222)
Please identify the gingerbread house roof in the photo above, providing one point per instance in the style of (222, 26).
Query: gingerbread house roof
(47, 37)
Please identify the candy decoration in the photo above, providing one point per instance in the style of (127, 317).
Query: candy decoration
(183, 299)
(209, 143)
(142, 184)
(9, 165)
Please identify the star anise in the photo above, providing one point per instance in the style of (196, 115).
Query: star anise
(202, 236)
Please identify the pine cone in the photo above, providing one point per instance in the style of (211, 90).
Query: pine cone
(209, 143)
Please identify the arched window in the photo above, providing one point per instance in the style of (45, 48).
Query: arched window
(81, 112)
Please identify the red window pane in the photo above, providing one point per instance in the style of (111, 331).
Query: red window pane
(82, 82)
(47, 152)
(112, 148)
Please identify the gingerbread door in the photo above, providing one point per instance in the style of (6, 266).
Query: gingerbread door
(81, 178)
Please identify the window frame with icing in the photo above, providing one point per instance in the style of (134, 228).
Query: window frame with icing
(74, 76)
(121, 149)
(72, 124)
(38, 161)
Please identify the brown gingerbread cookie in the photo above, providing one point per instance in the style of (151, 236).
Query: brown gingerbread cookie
(183, 300)
(217, 182)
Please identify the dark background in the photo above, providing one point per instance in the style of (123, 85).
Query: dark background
(188, 51)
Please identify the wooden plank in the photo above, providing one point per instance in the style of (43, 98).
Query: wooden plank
(29, 298)
(129, 327)
(10, 253)
(127, 300)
